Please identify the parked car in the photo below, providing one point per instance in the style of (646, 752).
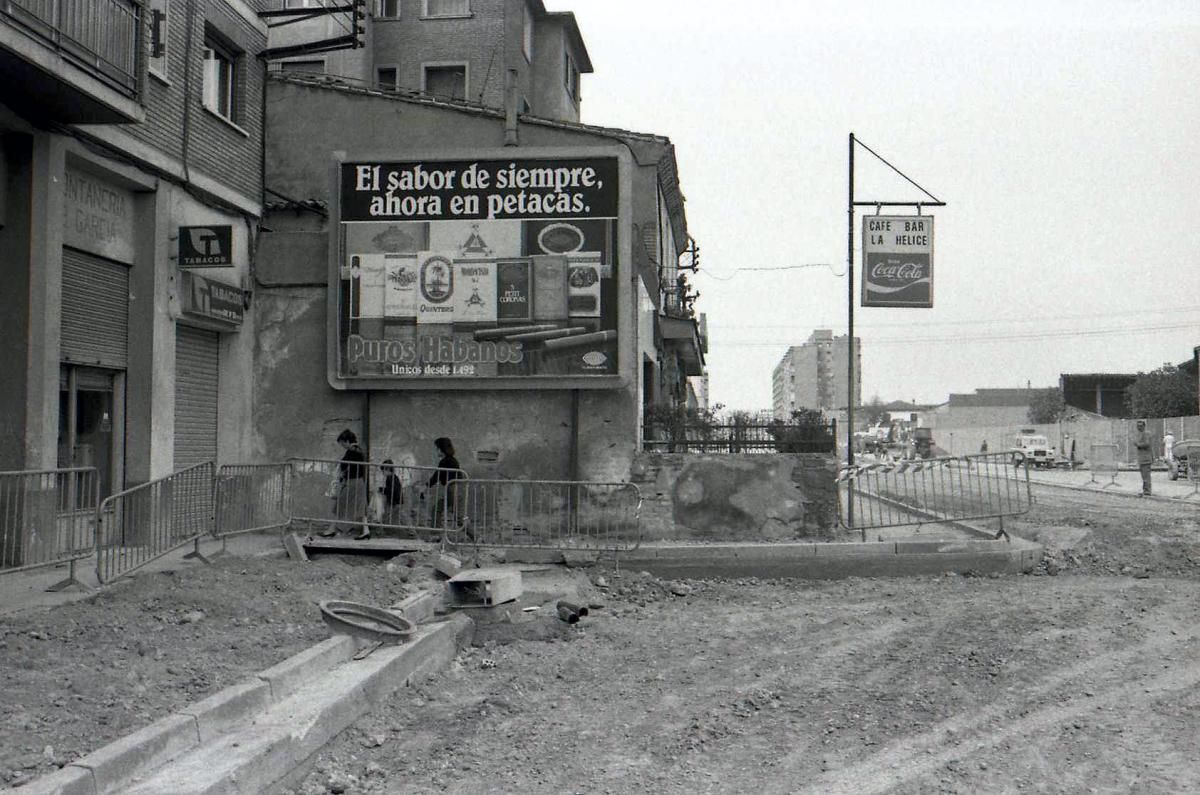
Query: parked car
(1033, 450)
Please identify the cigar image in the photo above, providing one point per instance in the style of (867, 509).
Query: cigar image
(595, 338)
(534, 336)
(491, 333)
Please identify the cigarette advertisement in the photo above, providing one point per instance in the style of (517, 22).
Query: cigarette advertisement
(477, 269)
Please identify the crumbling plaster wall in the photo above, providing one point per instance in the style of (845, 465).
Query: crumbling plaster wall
(779, 497)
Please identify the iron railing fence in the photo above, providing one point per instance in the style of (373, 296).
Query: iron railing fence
(739, 437)
(47, 518)
(251, 498)
(879, 495)
(104, 36)
(143, 523)
(331, 495)
(552, 514)
(1104, 462)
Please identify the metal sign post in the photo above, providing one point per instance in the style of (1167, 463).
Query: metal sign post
(852, 203)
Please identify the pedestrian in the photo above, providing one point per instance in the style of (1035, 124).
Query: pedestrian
(442, 483)
(350, 488)
(391, 493)
(983, 447)
(1145, 455)
(1169, 448)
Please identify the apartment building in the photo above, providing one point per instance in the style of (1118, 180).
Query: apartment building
(461, 50)
(814, 375)
(130, 200)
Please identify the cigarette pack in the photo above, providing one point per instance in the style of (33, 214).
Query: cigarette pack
(514, 302)
(549, 287)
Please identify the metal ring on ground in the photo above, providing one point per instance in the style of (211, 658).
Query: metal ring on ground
(372, 623)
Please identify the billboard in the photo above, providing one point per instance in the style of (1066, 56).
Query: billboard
(897, 261)
(477, 270)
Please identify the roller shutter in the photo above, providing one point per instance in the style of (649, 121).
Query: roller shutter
(197, 353)
(95, 311)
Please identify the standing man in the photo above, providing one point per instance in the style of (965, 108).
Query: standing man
(1141, 440)
(1169, 448)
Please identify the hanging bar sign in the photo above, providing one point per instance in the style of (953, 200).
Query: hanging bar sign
(898, 261)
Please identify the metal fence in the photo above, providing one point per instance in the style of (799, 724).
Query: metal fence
(936, 490)
(141, 524)
(1103, 463)
(101, 35)
(47, 518)
(332, 496)
(740, 437)
(251, 498)
(554, 514)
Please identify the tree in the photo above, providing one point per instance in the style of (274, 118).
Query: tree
(1165, 392)
(1046, 406)
(874, 413)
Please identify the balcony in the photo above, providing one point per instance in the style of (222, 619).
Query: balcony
(72, 61)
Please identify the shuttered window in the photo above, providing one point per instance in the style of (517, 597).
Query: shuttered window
(95, 311)
(197, 354)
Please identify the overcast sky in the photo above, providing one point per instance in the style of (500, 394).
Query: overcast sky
(1063, 136)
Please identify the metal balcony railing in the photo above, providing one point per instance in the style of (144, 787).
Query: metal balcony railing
(103, 36)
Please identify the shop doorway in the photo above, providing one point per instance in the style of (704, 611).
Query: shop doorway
(91, 423)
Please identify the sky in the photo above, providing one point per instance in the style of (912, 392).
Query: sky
(1063, 136)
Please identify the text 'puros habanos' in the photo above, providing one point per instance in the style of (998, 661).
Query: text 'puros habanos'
(432, 350)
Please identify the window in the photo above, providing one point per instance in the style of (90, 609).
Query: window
(313, 67)
(525, 107)
(571, 77)
(387, 78)
(447, 8)
(387, 9)
(446, 81)
(220, 78)
(527, 34)
(158, 37)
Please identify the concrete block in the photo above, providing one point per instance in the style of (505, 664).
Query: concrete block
(447, 565)
(293, 672)
(118, 763)
(233, 705)
(484, 587)
(294, 547)
(70, 780)
(417, 608)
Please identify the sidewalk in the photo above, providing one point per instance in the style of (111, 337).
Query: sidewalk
(26, 590)
(1127, 483)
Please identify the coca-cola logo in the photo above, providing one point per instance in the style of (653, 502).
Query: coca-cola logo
(897, 271)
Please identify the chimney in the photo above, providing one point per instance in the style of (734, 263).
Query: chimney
(510, 109)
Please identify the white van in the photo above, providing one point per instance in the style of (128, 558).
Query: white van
(1033, 450)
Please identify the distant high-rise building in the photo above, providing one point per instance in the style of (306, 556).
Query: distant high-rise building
(813, 375)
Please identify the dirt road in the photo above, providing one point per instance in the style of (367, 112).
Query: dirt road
(1084, 682)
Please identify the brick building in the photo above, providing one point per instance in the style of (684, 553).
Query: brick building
(451, 49)
(814, 375)
(131, 194)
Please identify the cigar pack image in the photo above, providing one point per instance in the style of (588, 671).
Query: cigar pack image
(549, 287)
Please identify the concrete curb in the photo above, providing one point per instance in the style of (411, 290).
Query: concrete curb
(900, 558)
(276, 749)
(114, 766)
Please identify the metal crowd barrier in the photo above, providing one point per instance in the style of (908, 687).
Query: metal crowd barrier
(556, 514)
(934, 490)
(1103, 461)
(251, 498)
(141, 524)
(326, 496)
(47, 518)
